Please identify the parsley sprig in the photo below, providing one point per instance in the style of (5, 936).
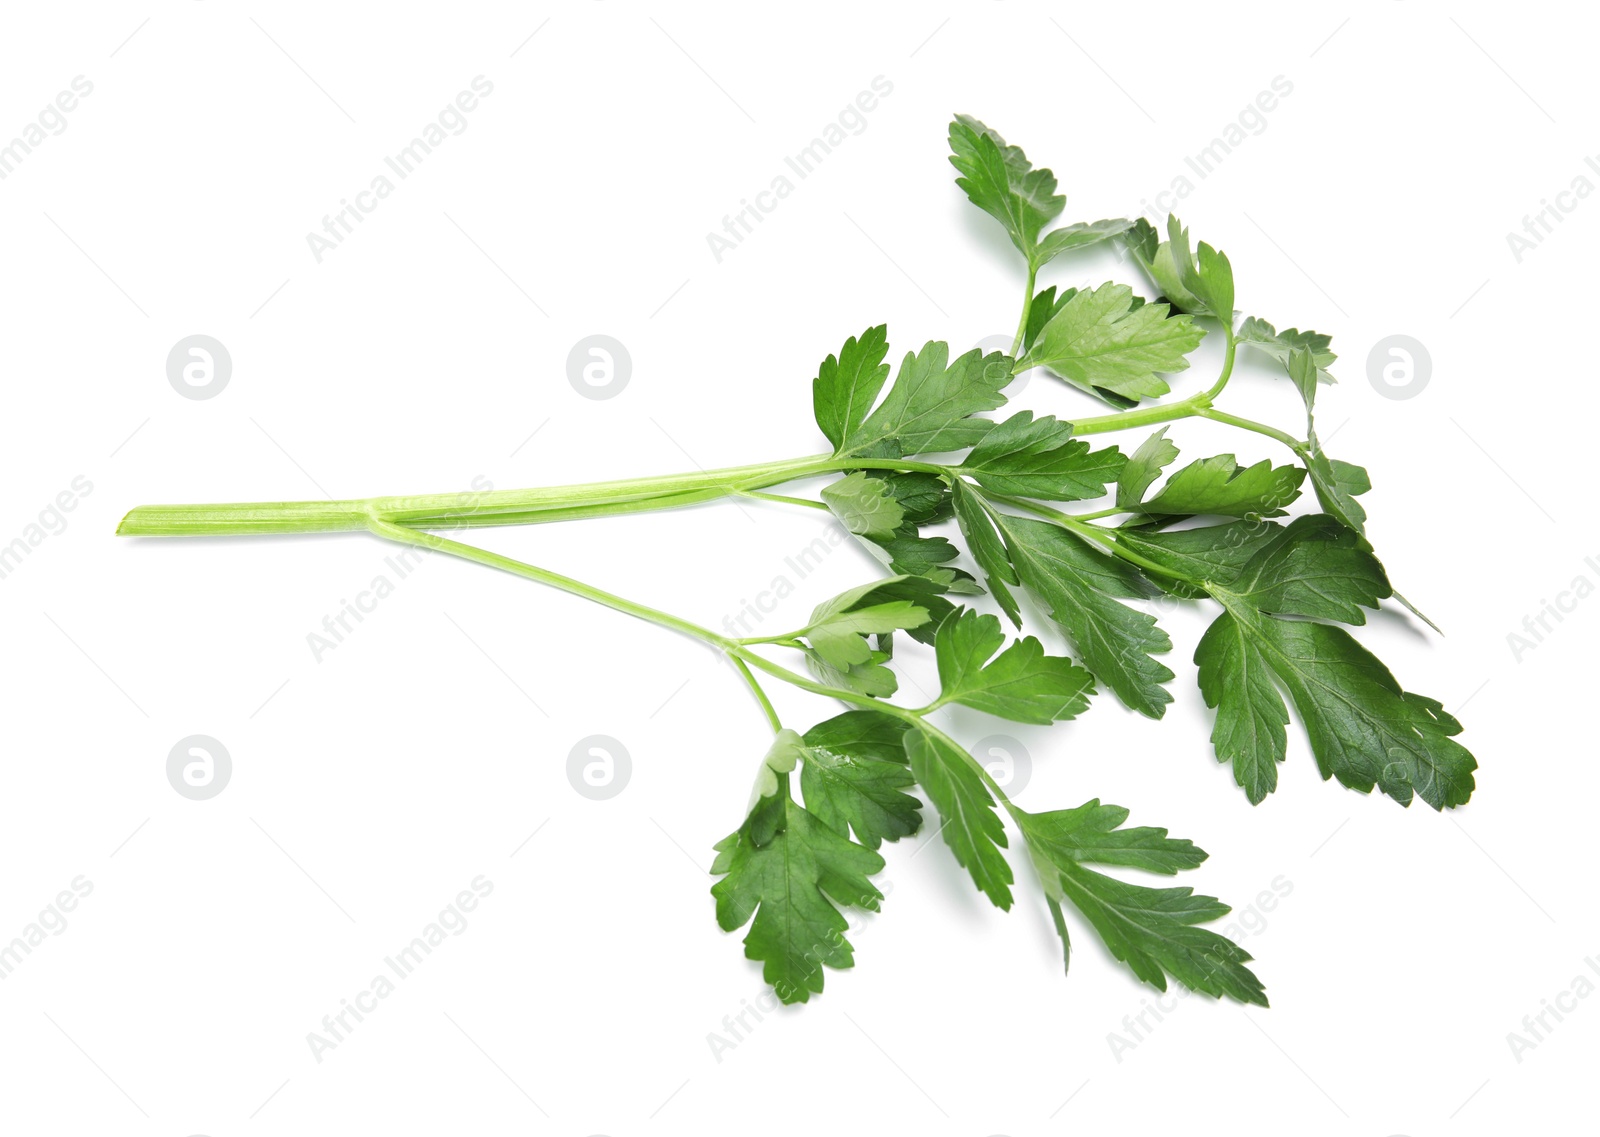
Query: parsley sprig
(918, 452)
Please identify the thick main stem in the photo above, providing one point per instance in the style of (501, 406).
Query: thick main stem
(465, 508)
(479, 509)
(472, 509)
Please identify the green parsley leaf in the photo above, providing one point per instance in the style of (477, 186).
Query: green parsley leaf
(1209, 279)
(838, 651)
(1043, 309)
(928, 407)
(920, 556)
(1021, 683)
(884, 510)
(1262, 336)
(1039, 458)
(1045, 305)
(855, 775)
(924, 498)
(971, 827)
(785, 753)
(1152, 930)
(1155, 256)
(921, 591)
(1081, 587)
(1249, 728)
(1100, 340)
(1142, 241)
(1216, 275)
(865, 505)
(1364, 729)
(1338, 484)
(1001, 181)
(1093, 832)
(1217, 485)
(840, 639)
(1076, 236)
(1154, 455)
(846, 387)
(1208, 554)
(987, 549)
(839, 627)
(1316, 568)
(871, 677)
(790, 881)
(1303, 373)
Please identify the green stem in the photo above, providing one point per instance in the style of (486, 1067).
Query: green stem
(787, 639)
(1288, 440)
(794, 678)
(728, 480)
(783, 499)
(1227, 363)
(465, 508)
(910, 716)
(244, 518)
(1109, 541)
(1096, 533)
(1143, 416)
(834, 465)
(1027, 308)
(404, 536)
(742, 657)
(470, 520)
(761, 696)
(471, 510)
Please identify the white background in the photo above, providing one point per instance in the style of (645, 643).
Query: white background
(372, 786)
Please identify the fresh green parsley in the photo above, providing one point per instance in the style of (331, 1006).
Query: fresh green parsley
(919, 462)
